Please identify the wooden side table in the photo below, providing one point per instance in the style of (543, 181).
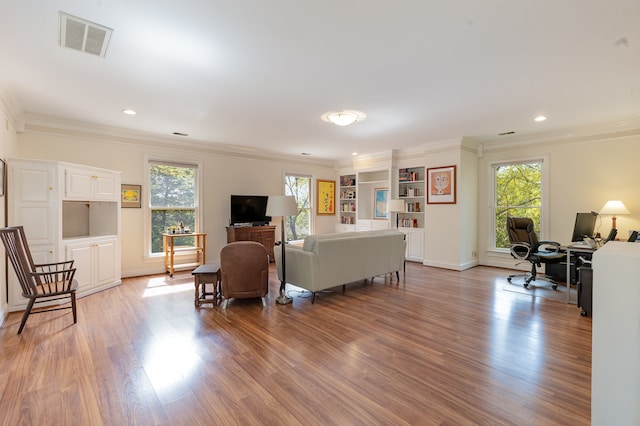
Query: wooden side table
(203, 275)
(170, 249)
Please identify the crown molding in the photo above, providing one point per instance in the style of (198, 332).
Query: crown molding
(611, 130)
(35, 123)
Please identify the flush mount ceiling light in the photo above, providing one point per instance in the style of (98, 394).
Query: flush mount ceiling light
(128, 111)
(344, 117)
(540, 118)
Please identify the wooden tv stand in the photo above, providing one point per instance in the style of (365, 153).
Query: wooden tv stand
(265, 235)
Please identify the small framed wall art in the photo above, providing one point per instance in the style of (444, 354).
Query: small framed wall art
(131, 196)
(326, 197)
(380, 198)
(441, 185)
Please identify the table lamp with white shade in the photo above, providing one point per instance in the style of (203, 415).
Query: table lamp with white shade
(614, 207)
(282, 205)
(396, 206)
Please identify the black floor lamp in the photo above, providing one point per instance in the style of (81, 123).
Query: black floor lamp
(282, 205)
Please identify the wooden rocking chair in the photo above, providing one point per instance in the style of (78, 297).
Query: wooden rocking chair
(47, 282)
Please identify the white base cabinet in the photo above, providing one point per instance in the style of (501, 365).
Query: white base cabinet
(99, 259)
(415, 244)
(69, 211)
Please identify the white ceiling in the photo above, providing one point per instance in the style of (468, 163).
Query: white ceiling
(258, 73)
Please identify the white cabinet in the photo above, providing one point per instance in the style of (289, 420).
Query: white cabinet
(83, 184)
(99, 259)
(415, 244)
(340, 227)
(33, 199)
(615, 342)
(68, 211)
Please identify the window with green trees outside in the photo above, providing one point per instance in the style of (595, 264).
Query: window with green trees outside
(172, 200)
(298, 226)
(518, 193)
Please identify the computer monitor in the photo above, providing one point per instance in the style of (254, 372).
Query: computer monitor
(584, 226)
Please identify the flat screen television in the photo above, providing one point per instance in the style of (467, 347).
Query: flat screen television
(249, 210)
(584, 226)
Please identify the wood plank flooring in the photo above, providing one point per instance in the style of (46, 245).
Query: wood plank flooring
(439, 348)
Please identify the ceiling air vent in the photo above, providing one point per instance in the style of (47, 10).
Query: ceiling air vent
(82, 35)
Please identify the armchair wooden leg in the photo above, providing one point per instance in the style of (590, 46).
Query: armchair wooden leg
(264, 302)
(73, 307)
(27, 311)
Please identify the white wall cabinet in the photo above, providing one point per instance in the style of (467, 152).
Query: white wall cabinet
(84, 184)
(68, 211)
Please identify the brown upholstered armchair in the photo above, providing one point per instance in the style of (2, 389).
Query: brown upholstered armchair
(244, 266)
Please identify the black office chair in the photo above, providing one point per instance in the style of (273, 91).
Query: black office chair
(526, 247)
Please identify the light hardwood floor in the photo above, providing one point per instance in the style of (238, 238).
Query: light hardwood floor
(441, 347)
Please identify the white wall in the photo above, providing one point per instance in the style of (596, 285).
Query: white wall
(7, 148)
(583, 175)
(443, 231)
(223, 175)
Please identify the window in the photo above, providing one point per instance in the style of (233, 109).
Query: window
(172, 199)
(299, 226)
(518, 193)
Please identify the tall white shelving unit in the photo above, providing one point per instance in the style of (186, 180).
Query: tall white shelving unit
(348, 201)
(412, 190)
(68, 211)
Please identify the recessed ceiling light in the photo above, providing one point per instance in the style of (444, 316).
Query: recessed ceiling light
(128, 111)
(344, 117)
(540, 118)
(354, 153)
(305, 153)
(180, 134)
(506, 133)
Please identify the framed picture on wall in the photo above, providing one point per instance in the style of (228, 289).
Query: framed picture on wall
(441, 185)
(326, 197)
(131, 196)
(380, 198)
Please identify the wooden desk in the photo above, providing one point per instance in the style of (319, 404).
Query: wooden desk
(170, 249)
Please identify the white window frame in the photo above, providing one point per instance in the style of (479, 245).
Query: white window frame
(544, 191)
(311, 196)
(178, 161)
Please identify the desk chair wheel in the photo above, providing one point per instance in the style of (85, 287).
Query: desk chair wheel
(583, 313)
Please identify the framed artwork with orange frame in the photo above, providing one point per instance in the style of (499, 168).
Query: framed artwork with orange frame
(441, 185)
